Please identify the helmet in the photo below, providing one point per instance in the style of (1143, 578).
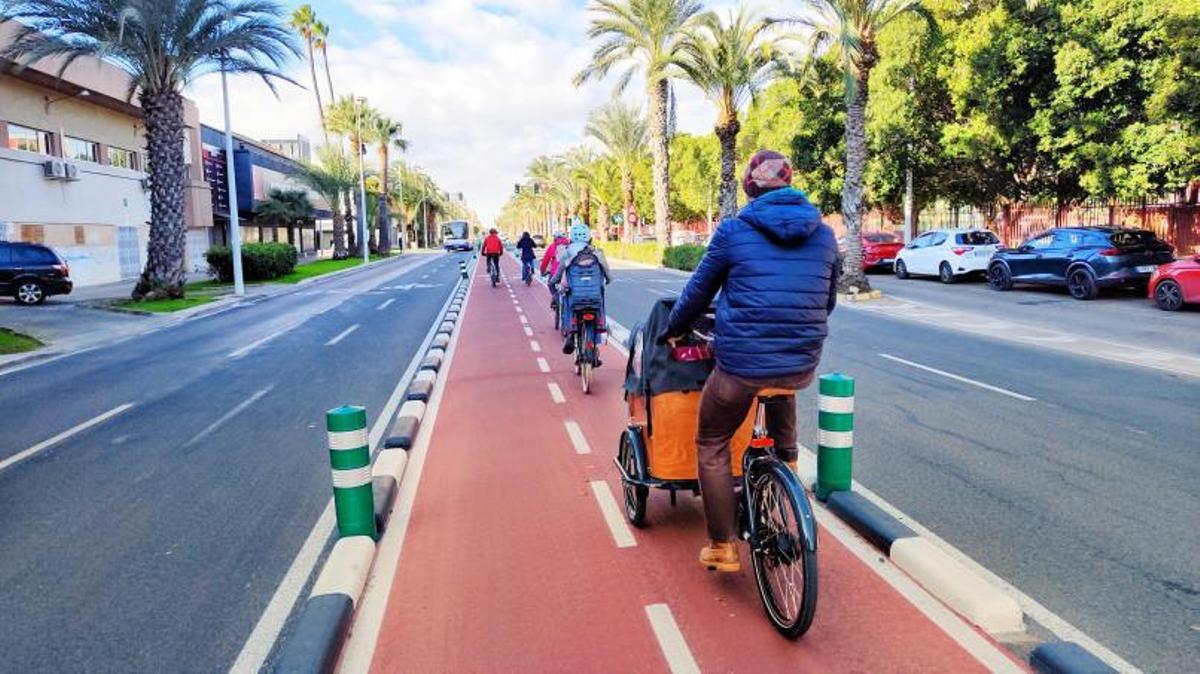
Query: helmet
(580, 233)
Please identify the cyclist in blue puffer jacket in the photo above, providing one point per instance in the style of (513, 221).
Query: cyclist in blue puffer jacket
(777, 266)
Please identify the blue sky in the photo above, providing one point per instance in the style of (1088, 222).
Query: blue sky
(482, 86)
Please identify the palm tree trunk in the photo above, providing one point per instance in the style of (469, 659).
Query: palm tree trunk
(328, 77)
(627, 191)
(587, 205)
(351, 225)
(853, 275)
(727, 131)
(602, 220)
(383, 217)
(660, 148)
(164, 274)
(312, 69)
(339, 232)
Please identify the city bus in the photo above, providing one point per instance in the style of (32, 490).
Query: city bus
(456, 235)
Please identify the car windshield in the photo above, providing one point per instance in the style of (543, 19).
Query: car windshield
(1129, 238)
(976, 239)
(881, 237)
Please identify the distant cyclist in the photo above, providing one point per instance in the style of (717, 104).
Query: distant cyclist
(580, 243)
(492, 249)
(526, 245)
(776, 265)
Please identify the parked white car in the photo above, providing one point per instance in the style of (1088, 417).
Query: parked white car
(947, 254)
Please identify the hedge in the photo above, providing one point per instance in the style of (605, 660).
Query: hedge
(685, 257)
(646, 253)
(260, 261)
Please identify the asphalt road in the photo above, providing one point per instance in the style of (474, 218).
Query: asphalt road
(154, 539)
(1079, 483)
(1118, 314)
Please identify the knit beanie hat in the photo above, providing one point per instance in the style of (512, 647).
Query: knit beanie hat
(766, 171)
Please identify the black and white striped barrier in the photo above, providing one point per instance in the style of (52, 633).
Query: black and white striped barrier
(315, 644)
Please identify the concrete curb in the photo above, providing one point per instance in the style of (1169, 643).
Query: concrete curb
(868, 519)
(324, 622)
(314, 645)
(1066, 657)
(948, 580)
(942, 576)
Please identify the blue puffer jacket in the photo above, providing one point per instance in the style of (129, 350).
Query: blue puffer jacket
(778, 265)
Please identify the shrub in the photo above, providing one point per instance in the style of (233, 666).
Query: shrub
(646, 253)
(685, 257)
(260, 261)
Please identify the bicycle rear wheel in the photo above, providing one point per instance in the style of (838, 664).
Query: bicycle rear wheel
(785, 564)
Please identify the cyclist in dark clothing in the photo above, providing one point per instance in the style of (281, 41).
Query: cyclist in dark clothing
(777, 266)
(526, 245)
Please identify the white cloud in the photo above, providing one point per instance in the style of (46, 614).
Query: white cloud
(482, 87)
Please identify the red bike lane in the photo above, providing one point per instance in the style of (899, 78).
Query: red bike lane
(517, 556)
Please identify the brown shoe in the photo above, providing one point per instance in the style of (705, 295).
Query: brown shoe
(720, 556)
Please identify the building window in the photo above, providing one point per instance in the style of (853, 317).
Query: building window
(83, 150)
(33, 233)
(122, 158)
(27, 139)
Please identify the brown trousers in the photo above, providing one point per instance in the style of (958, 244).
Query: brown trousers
(723, 407)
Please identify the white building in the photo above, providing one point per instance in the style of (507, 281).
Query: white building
(72, 168)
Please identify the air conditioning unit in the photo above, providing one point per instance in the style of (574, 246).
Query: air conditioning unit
(72, 172)
(54, 169)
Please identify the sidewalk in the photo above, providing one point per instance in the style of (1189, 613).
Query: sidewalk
(518, 558)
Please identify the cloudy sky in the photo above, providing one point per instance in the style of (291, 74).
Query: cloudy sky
(482, 86)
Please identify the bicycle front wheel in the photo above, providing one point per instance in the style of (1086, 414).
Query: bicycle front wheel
(785, 563)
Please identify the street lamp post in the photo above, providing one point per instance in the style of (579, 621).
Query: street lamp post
(235, 234)
(360, 103)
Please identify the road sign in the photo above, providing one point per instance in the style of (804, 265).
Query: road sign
(633, 217)
(617, 218)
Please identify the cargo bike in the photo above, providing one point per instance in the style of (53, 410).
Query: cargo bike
(657, 450)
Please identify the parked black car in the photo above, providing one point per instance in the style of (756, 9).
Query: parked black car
(31, 272)
(1084, 259)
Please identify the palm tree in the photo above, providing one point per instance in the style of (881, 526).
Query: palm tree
(333, 177)
(849, 29)
(385, 133)
(284, 207)
(730, 63)
(320, 31)
(143, 37)
(304, 21)
(647, 36)
(581, 164)
(621, 130)
(351, 117)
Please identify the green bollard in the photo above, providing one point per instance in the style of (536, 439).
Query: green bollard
(350, 459)
(835, 421)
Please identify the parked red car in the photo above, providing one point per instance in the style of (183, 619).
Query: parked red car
(879, 248)
(1176, 283)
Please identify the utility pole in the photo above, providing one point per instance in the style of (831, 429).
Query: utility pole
(235, 233)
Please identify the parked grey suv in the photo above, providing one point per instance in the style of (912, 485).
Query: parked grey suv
(31, 272)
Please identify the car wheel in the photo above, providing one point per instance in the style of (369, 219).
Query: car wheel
(1081, 284)
(946, 273)
(901, 270)
(30, 293)
(1168, 295)
(999, 278)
